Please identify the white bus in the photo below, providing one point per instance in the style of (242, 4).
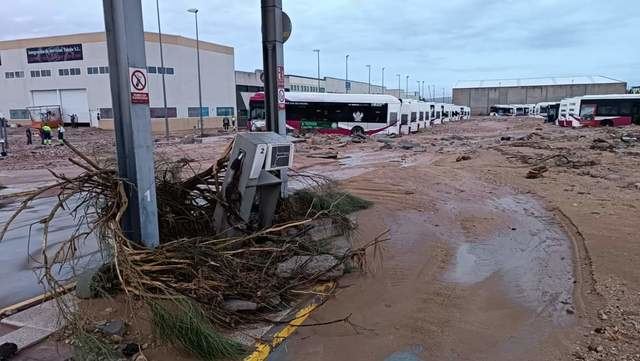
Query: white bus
(333, 113)
(599, 110)
(502, 110)
(542, 109)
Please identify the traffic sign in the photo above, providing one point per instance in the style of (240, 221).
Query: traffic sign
(286, 27)
(281, 99)
(138, 86)
(280, 80)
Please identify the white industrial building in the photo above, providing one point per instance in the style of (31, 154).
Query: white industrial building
(72, 71)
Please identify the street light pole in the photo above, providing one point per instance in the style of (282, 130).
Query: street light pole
(406, 91)
(346, 73)
(195, 12)
(383, 80)
(422, 89)
(369, 66)
(399, 86)
(164, 86)
(318, 51)
(418, 89)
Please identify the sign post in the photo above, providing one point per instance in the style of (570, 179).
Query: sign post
(130, 100)
(276, 29)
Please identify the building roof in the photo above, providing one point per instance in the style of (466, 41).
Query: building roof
(565, 80)
(100, 37)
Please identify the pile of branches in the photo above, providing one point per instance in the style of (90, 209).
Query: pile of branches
(193, 261)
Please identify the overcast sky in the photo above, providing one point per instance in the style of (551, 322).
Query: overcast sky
(439, 42)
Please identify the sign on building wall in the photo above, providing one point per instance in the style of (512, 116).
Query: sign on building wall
(48, 54)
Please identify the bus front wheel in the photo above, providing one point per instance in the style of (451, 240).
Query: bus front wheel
(357, 131)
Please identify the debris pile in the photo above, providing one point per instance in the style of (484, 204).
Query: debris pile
(230, 280)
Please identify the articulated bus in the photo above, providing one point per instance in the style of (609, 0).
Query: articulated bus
(334, 113)
(600, 110)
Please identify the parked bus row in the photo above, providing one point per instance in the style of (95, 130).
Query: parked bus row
(582, 111)
(356, 113)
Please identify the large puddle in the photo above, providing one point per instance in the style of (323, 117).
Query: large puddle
(530, 254)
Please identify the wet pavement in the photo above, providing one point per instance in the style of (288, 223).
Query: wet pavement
(21, 250)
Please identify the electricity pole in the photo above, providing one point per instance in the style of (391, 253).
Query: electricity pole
(346, 73)
(369, 66)
(318, 51)
(406, 90)
(164, 86)
(195, 12)
(134, 146)
(399, 87)
(383, 80)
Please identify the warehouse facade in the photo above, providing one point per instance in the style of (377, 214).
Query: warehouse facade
(482, 94)
(72, 71)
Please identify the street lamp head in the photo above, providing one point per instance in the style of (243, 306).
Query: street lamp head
(347, 56)
(193, 10)
(368, 66)
(316, 50)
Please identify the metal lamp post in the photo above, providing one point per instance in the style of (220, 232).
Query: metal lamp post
(399, 86)
(383, 80)
(418, 89)
(164, 86)
(318, 52)
(346, 73)
(195, 12)
(369, 67)
(406, 90)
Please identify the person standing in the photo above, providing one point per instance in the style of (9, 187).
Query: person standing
(61, 131)
(29, 136)
(46, 130)
(225, 124)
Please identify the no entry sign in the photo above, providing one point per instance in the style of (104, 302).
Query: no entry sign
(139, 86)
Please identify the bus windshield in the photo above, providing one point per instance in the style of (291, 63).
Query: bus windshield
(256, 110)
(587, 110)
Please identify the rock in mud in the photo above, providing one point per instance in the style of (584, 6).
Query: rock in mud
(323, 229)
(325, 266)
(463, 158)
(536, 172)
(407, 145)
(240, 305)
(130, 349)
(113, 327)
(8, 350)
(386, 146)
(507, 138)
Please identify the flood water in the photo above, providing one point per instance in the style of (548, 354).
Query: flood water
(530, 254)
(20, 250)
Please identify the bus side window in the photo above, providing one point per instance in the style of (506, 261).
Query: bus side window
(421, 116)
(394, 117)
(404, 119)
(625, 109)
(414, 116)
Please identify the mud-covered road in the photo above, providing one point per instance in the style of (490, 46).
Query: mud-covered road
(483, 263)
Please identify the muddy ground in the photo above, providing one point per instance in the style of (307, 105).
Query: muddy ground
(483, 263)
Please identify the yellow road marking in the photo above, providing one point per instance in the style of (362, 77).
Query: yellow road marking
(263, 349)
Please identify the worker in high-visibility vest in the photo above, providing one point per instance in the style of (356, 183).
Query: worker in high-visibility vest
(46, 130)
